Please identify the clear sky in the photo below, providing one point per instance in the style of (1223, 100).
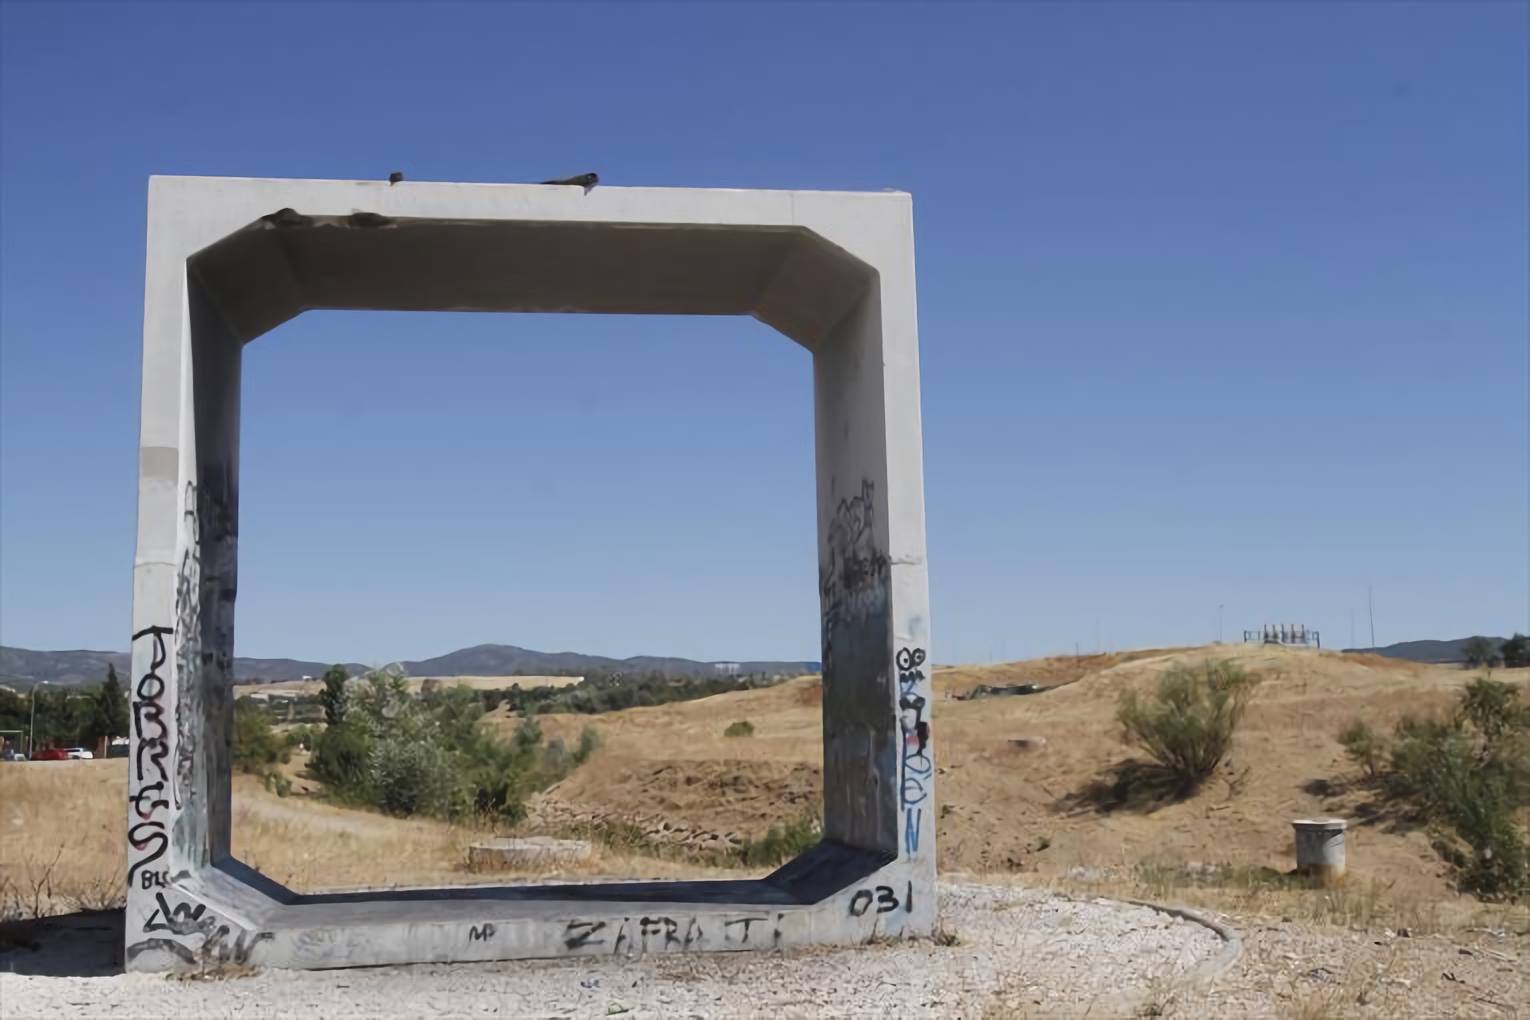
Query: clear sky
(1220, 305)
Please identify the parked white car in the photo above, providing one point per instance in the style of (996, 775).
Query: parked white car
(78, 754)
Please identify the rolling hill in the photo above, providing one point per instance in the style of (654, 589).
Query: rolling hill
(1425, 651)
(23, 667)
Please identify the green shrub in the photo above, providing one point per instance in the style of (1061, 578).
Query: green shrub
(340, 757)
(1187, 725)
(742, 728)
(410, 777)
(303, 735)
(1468, 774)
(782, 842)
(1493, 708)
(431, 754)
(1364, 746)
(589, 743)
(256, 745)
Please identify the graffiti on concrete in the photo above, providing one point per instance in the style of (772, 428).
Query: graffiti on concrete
(188, 645)
(916, 763)
(662, 934)
(853, 577)
(884, 897)
(193, 935)
(150, 776)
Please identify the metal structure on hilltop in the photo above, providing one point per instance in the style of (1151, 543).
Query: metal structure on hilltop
(1294, 634)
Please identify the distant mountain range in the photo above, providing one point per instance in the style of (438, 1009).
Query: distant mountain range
(1425, 651)
(23, 667)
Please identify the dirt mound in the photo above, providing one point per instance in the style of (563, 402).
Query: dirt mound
(703, 805)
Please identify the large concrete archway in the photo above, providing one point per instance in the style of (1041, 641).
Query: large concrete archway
(229, 259)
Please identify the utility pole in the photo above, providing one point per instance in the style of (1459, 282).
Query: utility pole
(1370, 602)
(32, 725)
(1219, 622)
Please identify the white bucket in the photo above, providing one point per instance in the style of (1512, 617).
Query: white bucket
(1320, 848)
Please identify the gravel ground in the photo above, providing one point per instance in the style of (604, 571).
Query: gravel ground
(1294, 970)
(1018, 952)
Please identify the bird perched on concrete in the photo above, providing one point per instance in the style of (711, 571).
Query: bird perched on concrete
(395, 176)
(585, 181)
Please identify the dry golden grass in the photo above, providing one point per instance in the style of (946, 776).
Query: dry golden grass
(62, 846)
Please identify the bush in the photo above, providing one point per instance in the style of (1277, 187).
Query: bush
(256, 745)
(433, 755)
(1364, 746)
(742, 728)
(1493, 708)
(304, 736)
(410, 777)
(589, 743)
(1468, 774)
(782, 842)
(1187, 726)
(340, 757)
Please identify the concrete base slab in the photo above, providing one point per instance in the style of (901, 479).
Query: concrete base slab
(229, 916)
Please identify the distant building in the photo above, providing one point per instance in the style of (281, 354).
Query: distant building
(1284, 634)
(727, 668)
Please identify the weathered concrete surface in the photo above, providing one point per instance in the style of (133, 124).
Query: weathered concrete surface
(229, 259)
(532, 851)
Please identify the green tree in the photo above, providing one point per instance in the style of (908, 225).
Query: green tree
(340, 757)
(1480, 651)
(256, 745)
(111, 708)
(1515, 652)
(333, 695)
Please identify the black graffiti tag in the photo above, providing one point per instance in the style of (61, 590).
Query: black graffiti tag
(916, 764)
(148, 835)
(578, 934)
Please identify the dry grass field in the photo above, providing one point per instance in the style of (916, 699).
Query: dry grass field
(1035, 814)
(63, 833)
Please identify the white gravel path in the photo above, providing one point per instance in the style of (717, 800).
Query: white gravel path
(1018, 951)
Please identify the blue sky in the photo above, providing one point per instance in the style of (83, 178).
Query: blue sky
(1219, 305)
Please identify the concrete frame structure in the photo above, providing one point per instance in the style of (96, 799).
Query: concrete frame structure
(229, 259)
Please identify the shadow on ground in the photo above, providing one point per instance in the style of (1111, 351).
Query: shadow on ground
(69, 945)
(1129, 785)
